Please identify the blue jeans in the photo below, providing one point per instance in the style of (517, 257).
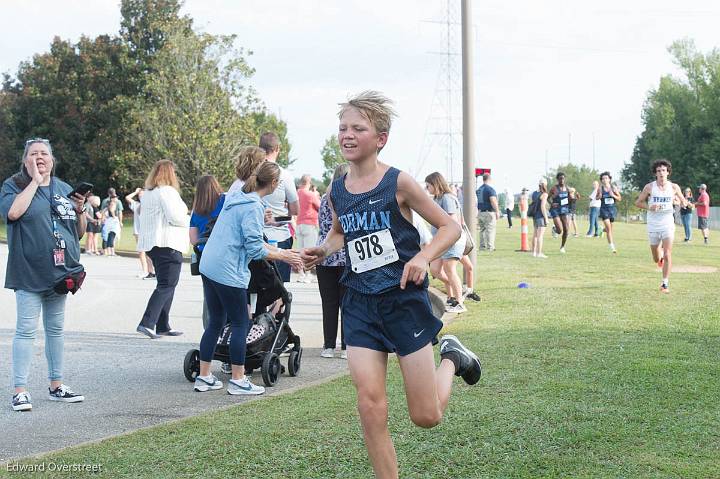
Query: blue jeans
(225, 302)
(686, 220)
(28, 311)
(594, 212)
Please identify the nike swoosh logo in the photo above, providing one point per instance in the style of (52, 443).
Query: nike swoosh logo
(418, 333)
(373, 202)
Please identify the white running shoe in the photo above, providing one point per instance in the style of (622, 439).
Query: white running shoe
(343, 354)
(458, 308)
(244, 387)
(327, 353)
(207, 383)
(541, 256)
(562, 250)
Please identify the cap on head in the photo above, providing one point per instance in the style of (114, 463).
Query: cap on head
(702, 186)
(112, 193)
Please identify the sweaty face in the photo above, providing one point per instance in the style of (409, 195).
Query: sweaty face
(40, 153)
(357, 136)
(661, 172)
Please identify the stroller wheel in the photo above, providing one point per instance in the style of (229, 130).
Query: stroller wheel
(270, 369)
(294, 362)
(191, 364)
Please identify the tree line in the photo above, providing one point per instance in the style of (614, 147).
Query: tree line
(113, 105)
(681, 119)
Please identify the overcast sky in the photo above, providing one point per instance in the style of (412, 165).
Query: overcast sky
(543, 70)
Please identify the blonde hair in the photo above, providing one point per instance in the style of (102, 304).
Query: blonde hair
(162, 174)
(373, 105)
(263, 176)
(247, 161)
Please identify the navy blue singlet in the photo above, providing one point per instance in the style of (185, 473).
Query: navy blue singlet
(363, 213)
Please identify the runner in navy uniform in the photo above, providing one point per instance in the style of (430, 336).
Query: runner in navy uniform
(608, 195)
(386, 307)
(560, 208)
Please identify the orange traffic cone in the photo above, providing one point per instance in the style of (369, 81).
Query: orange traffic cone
(524, 247)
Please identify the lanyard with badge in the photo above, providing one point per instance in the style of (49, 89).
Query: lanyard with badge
(59, 250)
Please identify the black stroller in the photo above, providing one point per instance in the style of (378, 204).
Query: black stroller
(269, 335)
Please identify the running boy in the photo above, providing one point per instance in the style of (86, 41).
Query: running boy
(386, 307)
(560, 208)
(657, 197)
(608, 195)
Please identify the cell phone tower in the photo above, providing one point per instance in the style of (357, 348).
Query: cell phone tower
(443, 129)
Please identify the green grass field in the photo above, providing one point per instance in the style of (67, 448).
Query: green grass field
(589, 373)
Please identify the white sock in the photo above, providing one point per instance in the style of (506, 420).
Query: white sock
(666, 281)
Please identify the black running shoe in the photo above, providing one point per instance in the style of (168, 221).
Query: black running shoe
(474, 296)
(467, 363)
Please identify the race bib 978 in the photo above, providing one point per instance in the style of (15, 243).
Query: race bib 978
(372, 251)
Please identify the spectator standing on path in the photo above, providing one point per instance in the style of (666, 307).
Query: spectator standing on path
(146, 266)
(246, 163)
(94, 226)
(686, 214)
(283, 201)
(509, 206)
(702, 206)
(307, 220)
(488, 213)
(44, 228)
(110, 226)
(329, 274)
(438, 188)
(103, 206)
(594, 211)
(540, 218)
(236, 239)
(164, 236)
(208, 202)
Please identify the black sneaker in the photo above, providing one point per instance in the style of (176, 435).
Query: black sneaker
(21, 402)
(467, 364)
(474, 296)
(64, 394)
(226, 368)
(150, 276)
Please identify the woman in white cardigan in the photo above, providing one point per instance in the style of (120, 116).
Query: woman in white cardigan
(163, 234)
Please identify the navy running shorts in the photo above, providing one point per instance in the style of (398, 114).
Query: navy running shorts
(398, 321)
(607, 214)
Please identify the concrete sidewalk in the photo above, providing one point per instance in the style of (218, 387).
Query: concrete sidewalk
(129, 381)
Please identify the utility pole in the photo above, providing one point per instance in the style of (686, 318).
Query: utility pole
(468, 99)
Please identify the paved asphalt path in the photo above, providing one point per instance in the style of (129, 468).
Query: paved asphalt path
(128, 380)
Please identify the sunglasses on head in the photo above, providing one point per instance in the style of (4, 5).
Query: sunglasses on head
(37, 140)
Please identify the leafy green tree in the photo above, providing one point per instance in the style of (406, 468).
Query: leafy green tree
(331, 157)
(682, 122)
(192, 113)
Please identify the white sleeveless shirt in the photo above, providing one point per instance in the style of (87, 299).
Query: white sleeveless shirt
(662, 219)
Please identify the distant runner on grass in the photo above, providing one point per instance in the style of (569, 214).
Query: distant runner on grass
(657, 197)
(386, 307)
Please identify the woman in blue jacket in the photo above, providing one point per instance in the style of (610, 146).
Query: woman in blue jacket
(237, 238)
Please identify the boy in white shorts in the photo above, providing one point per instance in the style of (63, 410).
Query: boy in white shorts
(658, 198)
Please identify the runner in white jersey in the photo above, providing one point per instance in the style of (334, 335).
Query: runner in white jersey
(658, 198)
